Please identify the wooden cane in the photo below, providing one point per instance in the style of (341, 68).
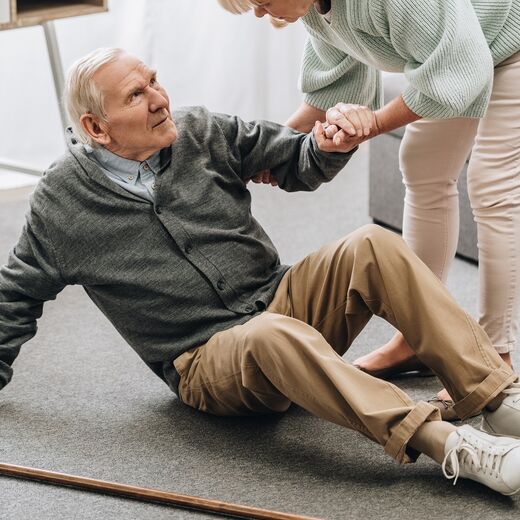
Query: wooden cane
(147, 494)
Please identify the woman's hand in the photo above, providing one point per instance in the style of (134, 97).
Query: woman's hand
(347, 122)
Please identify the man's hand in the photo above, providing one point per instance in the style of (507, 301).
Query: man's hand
(351, 123)
(326, 139)
(264, 177)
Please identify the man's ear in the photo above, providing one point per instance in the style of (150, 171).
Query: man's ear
(95, 128)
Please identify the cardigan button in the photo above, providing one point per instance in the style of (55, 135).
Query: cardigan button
(158, 210)
(221, 285)
(188, 249)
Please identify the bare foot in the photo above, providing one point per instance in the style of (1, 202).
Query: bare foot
(445, 396)
(395, 351)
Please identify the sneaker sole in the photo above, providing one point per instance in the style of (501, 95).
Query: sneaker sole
(479, 481)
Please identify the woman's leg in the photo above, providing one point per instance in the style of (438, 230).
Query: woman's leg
(494, 190)
(432, 154)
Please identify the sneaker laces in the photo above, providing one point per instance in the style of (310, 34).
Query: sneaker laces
(465, 454)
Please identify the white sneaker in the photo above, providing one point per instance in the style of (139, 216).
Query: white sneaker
(492, 461)
(505, 420)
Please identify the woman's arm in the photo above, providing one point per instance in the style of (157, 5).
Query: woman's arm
(304, 118)
(449, 65)
(394, 115)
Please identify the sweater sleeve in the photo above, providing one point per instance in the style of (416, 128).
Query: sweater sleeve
(29, 278)
(448, 62)
(329, 76)
(293, 158)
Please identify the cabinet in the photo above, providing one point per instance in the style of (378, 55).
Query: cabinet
(22, 13)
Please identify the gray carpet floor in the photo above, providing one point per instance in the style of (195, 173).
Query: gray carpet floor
(82, 402)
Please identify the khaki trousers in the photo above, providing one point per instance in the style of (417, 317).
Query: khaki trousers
(292, 352)
(432, 155)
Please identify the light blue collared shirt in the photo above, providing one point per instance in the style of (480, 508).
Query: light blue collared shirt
(134, 176)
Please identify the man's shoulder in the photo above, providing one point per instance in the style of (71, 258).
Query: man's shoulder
(61, 166)
(56, 177)
(200, 125)
(197, 114)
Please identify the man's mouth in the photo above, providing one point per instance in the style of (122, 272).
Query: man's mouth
(160, 122)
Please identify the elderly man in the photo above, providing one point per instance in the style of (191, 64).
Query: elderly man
(150, 213)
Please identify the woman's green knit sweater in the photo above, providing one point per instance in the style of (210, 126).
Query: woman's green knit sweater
(446, 48)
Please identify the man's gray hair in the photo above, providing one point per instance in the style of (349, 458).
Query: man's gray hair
(82, 96)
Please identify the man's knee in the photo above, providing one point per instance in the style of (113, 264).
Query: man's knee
(364, 242)
(374, 234)
(264, 333)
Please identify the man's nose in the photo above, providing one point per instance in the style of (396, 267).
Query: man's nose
(259, 11)
(158, 101)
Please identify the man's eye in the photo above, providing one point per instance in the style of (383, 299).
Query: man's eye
(136, 94)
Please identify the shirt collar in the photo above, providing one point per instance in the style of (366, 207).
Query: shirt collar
(126, 169)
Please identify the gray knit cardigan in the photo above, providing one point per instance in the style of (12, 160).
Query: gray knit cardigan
(167, 275)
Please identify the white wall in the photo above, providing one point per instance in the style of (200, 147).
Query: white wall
(204, 55)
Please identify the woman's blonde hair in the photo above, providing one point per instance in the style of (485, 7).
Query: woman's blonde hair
(82, 96)
(242, 6)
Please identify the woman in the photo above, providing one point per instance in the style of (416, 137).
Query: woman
(462, 62)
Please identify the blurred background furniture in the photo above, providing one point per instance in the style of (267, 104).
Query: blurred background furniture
(24, 13)
(386, 195)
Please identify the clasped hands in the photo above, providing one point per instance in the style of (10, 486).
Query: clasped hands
(347, 126)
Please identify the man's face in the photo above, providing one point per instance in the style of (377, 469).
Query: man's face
(137, 109)
(288, 10)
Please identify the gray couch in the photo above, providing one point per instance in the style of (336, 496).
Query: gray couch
(387, 189)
